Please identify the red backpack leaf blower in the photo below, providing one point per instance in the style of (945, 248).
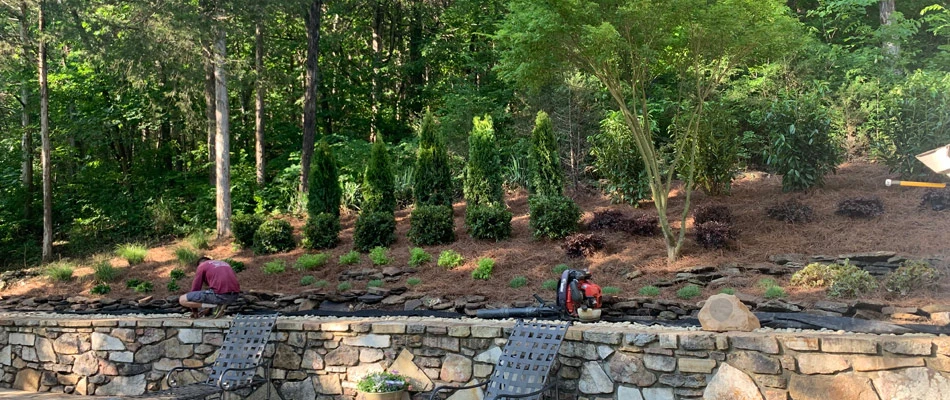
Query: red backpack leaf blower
(576, 295)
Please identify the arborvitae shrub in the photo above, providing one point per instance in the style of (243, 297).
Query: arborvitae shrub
(554, 217)
(378, 182)
(274, 236)
(321, 231)
(715, 234)
(488, 222)
(324, 192)
(433, 176)
(243, 227)
(483, 180)
(547, 178)
(937, 199)
(431, 225)
(790, 211)
(860, 207)
(714, 212)
(374, 229)
(583, 244)
(606, 219)
(641, 225)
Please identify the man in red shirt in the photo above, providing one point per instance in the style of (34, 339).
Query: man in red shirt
(223, 288)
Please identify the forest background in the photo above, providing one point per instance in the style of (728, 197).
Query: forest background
(140, 93)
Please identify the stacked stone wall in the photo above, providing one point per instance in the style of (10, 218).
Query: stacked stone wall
(323, 359)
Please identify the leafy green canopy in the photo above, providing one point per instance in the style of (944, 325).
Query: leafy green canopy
(324, 195)
(483, 174)
(433, 177)
(378, 183)
(547, 178)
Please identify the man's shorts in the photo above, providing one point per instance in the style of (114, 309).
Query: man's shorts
(210, 297)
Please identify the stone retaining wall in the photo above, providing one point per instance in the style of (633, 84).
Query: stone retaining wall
(323, 358)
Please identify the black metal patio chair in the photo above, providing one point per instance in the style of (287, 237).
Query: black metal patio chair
(523, 368)
(236, 365)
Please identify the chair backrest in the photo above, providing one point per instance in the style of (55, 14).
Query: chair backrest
(243, 347)
(528, 357)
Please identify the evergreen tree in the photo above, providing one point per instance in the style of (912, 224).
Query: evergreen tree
(483, 174)
(378, 182)
(324, 193)
(547, 179)
(433, 178)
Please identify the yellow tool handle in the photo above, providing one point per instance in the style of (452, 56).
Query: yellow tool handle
(890, 182)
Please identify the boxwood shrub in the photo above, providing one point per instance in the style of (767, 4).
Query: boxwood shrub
(243, 227)
(431, 225)
(274, 236)
(374, 229)
(488, 222)
(321, 231)
(553, 216)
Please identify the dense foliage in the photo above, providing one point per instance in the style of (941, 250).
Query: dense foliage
(374, 229)
(378, 184)
(321, 231)
(488, 222)
(431, 225)
(547, 177)
(433, 175)
(274, 236)
(553, 217)
(483, 182)
(243, 227)
(324, 195)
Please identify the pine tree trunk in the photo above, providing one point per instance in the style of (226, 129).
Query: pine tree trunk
(26, 143)
(210, 112)
(44, 135)
(312, 93)
(375, 93)
(259, 102)
(222, 145)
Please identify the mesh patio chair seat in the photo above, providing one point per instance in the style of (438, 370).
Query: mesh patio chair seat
(235, 367)
(523, 368)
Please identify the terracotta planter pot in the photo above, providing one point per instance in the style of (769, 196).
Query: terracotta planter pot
(397, 395)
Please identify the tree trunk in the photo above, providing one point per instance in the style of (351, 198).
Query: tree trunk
(222, 145)
(26, 142)
(312, 93)
(377, 49)
(210, 112)
(891, 49)
(259, 102)
(44, 135)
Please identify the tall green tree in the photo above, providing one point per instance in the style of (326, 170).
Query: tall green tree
(483, 181)
(627, 46)
(547, 177)
(433, 177)
(324, 194)
(378, 182)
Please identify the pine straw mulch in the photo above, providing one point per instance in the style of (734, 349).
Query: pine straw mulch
(905, 228)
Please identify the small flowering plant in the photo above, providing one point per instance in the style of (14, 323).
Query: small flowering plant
(382, 382)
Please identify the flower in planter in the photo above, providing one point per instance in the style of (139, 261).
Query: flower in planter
(382, 382)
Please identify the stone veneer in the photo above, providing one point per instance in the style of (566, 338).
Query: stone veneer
(322, 358)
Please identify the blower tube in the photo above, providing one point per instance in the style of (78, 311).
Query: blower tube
(521, 312)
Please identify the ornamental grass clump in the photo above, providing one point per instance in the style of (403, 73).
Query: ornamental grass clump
(133, 253)
(382, 382)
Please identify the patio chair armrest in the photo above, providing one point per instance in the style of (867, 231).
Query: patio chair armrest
(172, 382)
(435, 392)
(223, 385)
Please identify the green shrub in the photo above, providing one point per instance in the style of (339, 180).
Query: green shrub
(274, 236)
(143, 287)
(483, 181)
(133, 253)
(172, 286)
(236, 265)
(374, 229)
(344, 286)
(910, 276)
(104, 272)
(852, 281)
(450, 259)
(432, 184)
(321, 283)
(418, 256)
(553, 217)
(483, 269)
(60, 271)
(617, 161)
(517, 282)
(100, 289)
(815, 275)
(488, 222)
(321, 231)
(547, 178)
(198, 240)
(177, 274)
(766, 283)
(308, 262)
(728, 290)
(186, 256)
(324, 192)
(379, 194)
(274, 267)
(802, 148)
(379, 256)
(132, 283)
(717, 137)
(243, 227)
(910, 124)
(431, 225)
(774, 292)
(560, 268)
(350, 258)
(550, 284)
(688, 292)
(651, 291)
(610, 290)
(375, 283)
(413, 281)
(307, 280)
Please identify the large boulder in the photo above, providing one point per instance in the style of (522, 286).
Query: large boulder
(724, 312)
